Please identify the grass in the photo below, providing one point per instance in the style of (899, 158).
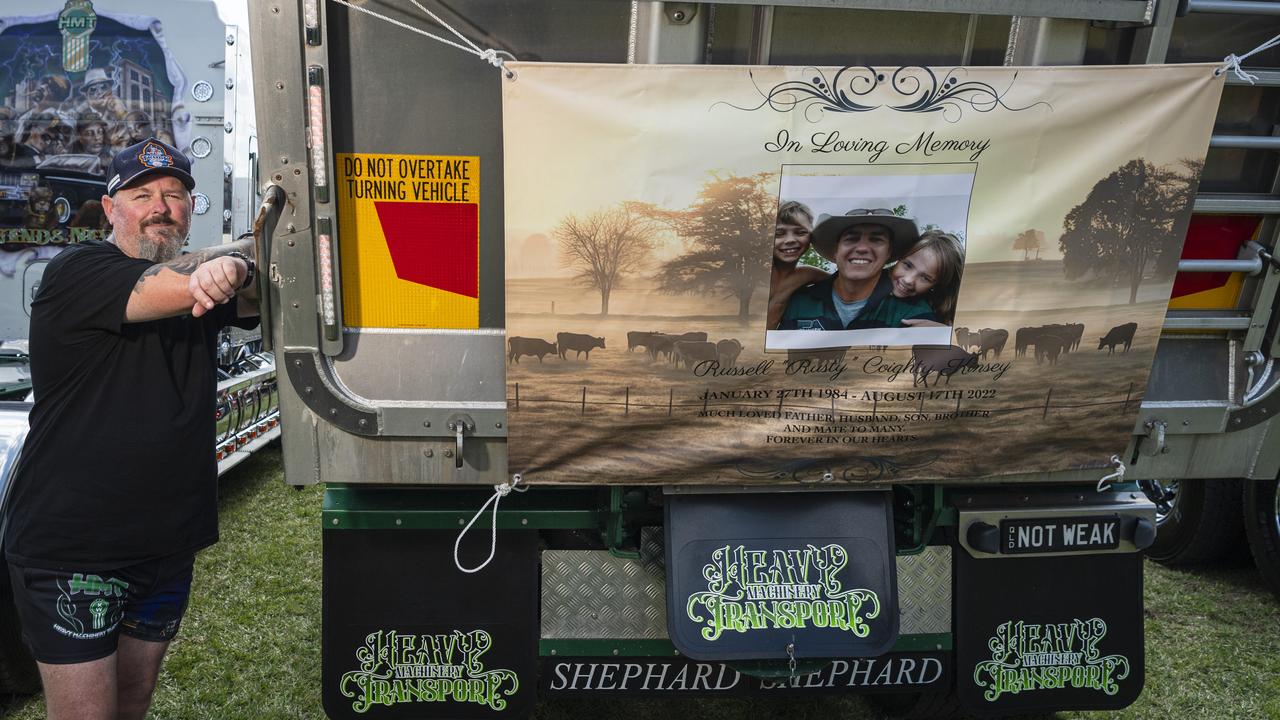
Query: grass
(250, 644)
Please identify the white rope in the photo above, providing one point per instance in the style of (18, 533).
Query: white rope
(499, 492)
(1231, 63)
(496, 58)
(1117, 476)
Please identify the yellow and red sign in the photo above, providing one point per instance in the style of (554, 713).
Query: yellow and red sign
(1213, 237)
(409, 240)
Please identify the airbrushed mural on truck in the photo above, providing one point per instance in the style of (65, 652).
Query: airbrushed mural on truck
(76, 87)
(78, 83)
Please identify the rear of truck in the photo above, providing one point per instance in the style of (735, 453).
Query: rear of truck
(999, 593)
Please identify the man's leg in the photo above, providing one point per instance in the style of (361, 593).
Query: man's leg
(80, 691)
(137, 667)
(150, 622)
(68, 622)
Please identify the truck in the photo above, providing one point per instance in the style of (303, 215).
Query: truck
(650, 556)
(653, 555)
(81, 81)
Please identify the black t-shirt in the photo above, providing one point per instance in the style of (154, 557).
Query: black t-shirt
(119, 464)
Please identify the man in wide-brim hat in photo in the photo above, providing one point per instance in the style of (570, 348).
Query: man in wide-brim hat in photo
(858, 295)
(99, 96)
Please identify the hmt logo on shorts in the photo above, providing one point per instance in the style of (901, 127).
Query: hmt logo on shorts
(94, 585)
(100, 609)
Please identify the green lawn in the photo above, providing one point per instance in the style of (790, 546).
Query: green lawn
(250, 646)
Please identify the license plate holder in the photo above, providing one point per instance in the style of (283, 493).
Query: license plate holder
(1045, 535)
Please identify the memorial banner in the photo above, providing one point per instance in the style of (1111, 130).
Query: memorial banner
(741, 275)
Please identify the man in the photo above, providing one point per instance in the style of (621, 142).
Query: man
(41, 136)
(116, 488)
(858, 294)
(91, 139)
(12, 153)
(137, 126)
(48, 96)
(99, 96)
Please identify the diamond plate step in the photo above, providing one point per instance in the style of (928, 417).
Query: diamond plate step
(590, 594)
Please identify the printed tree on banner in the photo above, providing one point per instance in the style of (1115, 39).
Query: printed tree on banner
(1027, 241)
(729, 228)
(605, 247)
(1131, 219)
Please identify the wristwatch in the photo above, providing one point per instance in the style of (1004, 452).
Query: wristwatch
(251, 273)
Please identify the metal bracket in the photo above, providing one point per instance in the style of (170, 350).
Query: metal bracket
(264, 226)
(460, 424)
(1158, 427)
(1264, 254)
(319, 394)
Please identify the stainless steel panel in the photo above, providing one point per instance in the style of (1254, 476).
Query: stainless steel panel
(1232, 454)
(346, 458)
(592, 594)
(404, 366)
(1186, 418)
(1190, 369)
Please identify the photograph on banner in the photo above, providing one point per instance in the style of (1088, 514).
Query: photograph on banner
(647, 303)
(867, 255)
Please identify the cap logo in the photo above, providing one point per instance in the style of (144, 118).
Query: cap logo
(155, 156)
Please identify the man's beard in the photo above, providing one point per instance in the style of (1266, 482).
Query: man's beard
(161, 250)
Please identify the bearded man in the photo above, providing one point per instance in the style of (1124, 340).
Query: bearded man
(116, 488)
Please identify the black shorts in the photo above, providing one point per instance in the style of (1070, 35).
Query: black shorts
(74, 617)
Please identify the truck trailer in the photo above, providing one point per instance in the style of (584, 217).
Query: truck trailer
(479, 203)
(460, 237)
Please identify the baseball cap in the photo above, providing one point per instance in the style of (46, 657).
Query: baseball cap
(149, 157)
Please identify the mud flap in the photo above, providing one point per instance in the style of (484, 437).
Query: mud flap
(1048, 633)
(405, 634)
(781, 575)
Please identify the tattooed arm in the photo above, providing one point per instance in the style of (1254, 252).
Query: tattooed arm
(194, 283)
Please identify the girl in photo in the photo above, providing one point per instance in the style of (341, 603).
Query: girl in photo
(931, 270)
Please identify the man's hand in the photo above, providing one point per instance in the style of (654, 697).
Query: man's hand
(216, 281)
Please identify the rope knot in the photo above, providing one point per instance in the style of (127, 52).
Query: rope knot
(491, 56)
(1231, 63)
(1115, 477)
(504, 489)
